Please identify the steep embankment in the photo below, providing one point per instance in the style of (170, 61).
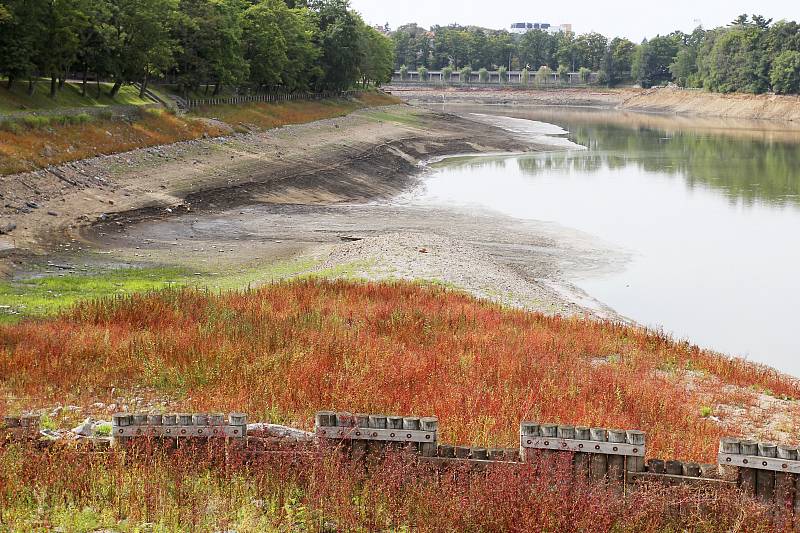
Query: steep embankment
(364, 155)
(667, 100)
(700, 103)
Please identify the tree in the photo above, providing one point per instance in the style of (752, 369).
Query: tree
(732, 59)
(447, 73)
(483, 75)
(652, 59)
(62, 22)
(525, 76)
(378, 59)
(785, 73)
(264, 44)
(619, 60)
(543, 75)
(139, 40)
(465, 74)
(403, 73)
(20, 39)
(339, 42)
(423, 73)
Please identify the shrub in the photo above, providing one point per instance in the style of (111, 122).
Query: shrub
(465, 74)
(543, 75)
(483, 75)
(36, 122)
(785, 73)
(423, 73)
(403, 72)
(10, 126)
(447, 74)
(503, 73)
(584, 74)
(526, 76)
(563, 73)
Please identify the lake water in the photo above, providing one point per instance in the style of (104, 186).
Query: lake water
(707, 211)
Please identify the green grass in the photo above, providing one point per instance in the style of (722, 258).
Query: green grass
(17, 99)
(47, 295)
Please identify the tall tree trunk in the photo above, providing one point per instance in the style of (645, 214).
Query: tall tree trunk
(216, 89)
(99, 91)
(206, 91)
(31, 86)
(85, 84)
(10, 82)
(63, 80)
(143, 88)
(53, 85)
(115, 89)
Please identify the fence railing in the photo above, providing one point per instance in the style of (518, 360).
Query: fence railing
(193, 103)
(767, 471)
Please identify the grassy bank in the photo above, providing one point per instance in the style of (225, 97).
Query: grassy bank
(36, 142)
(18, 98)
(305, 346)
(284, 351)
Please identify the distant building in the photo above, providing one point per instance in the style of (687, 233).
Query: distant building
(525, 27)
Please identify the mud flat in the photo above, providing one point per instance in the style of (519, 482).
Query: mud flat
(667, 100)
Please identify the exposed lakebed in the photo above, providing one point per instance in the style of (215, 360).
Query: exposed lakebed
(707, 211)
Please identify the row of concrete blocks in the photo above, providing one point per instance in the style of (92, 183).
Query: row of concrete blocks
(746, 453)
(179, 419)
(329, 419)
(582, 439)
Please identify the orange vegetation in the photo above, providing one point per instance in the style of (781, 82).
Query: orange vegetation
(288, 350)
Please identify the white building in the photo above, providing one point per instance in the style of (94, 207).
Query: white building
(525, 27)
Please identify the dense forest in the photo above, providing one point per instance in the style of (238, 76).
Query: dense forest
(752, 54)
(275, 44)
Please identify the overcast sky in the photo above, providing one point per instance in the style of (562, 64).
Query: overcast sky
(634, 19)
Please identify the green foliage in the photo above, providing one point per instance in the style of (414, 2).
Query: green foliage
(447, 73)
(465, 74)
(526, 76)
(563, 73)
(584, 74)
(503, 72)
(544, 74)
(403, 72)
(483, 75)
(423, 73)
(785, 73)
(706, 411)
(377, 62)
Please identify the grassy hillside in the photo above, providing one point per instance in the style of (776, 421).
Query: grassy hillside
(36, 142)
(300, 347)
(18, 99)
(287, 350)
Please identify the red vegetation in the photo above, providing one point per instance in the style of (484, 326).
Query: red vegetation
(288, 350)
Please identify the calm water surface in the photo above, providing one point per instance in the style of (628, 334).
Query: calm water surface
(709, 212)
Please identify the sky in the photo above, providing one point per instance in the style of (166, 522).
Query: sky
(634, 19)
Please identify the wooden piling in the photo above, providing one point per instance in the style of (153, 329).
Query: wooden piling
(411, 423)
(765, 479)
(673, 468)
(120, 420)
(551, 431)
(480, 453)
(615, 467)
(580, 461)
(656, 466)
(785, 489)
(529, 431)
(463, 452)
(445, 450)
(691, 469)
(747, 476)
(358, 446)
(428, 449)
(377, 448)
(598, 462)
(634, 465)
(729, 446)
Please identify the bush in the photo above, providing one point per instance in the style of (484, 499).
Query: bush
(423, 73)
(543, 75)
(785, 73)
(447, 74)
(483, 75)
(36, 122)
(563, 73)
(10, 126)
(526, 76)
(403, 72)
(465, 74)
(503, 72)
(584, 74)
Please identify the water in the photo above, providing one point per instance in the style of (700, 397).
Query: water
(708, 211)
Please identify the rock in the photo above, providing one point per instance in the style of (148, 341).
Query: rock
(86, 429)
(281, 432)
(32, 205)
(52, 213)
(5, 229)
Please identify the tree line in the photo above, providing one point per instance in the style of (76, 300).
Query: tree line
(291, 45)
(752, 54)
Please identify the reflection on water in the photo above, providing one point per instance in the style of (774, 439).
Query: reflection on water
(710, 214)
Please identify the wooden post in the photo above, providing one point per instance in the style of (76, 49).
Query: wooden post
(428, 449)
(747, 476)
(731, 446)
(377, 448)
(616, 463)
(634, 465)
(240, 421)
(445, 450)
(529, 431)
(656, 466)
(784, 482)
(691, 469)
(674, 468)
(765, 479)
(119, 420)
(358, 447)
(480, 453)
(580, 460)
(463, 452)
(548, 430)
(411, 423)
(598, 462)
